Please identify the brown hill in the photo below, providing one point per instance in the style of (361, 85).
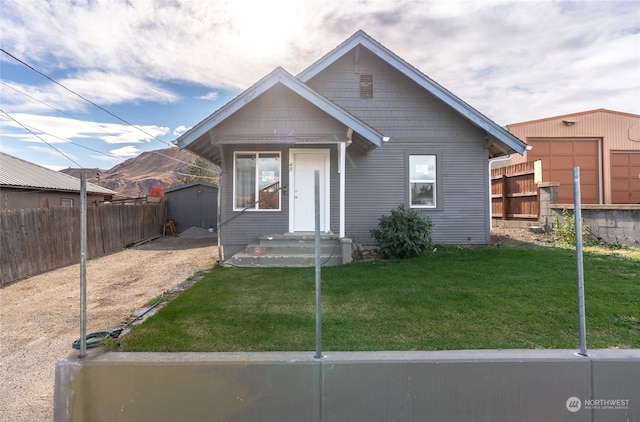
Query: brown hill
(135, 176)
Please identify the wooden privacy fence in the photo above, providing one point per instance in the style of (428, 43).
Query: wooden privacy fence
(34, 241)
(514, 192)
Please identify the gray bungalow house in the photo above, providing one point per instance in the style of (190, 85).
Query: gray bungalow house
(380, 133)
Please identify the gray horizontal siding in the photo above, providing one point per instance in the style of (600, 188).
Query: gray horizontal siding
(381, 183)
(417, 123)
(280, 111)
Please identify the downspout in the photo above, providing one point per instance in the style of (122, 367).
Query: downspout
(223, 170)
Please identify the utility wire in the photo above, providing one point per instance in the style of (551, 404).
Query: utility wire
(82, 97)
(53, 108)
(32, 130)
(37, 136)
(84, 121)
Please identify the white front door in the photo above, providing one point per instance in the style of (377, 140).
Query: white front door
(302, 166)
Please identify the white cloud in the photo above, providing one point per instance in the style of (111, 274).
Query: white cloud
(212, 96)
(62, 129)
(513, 60)
(180, 130)
(126, 152)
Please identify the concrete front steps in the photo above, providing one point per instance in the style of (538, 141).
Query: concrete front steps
(293, 250)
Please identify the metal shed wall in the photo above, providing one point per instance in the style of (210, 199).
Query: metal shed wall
(618, 132)
(195, 205)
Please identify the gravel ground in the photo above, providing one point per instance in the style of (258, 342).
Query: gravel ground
(40, 316)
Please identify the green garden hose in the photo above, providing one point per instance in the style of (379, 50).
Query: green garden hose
(97, 339)
(94, 339)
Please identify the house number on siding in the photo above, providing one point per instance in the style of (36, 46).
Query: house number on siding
(290, 167)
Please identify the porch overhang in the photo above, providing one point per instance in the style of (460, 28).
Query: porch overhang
(202, 139)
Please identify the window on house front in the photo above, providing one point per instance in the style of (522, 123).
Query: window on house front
(64, 202)
(366, 86)
(256, 180)
(422, 181)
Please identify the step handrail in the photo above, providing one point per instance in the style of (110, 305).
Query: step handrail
(259, 200)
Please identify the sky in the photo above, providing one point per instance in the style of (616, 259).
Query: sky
(92, 83)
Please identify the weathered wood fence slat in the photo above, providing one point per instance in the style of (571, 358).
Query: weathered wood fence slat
(514, 193)
(38, 240)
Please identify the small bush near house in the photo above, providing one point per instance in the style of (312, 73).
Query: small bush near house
(567, 230)
(403, 234)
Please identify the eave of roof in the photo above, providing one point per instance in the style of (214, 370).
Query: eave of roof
(580, 113)
(280, 76)
(189, 185)
(473, 115)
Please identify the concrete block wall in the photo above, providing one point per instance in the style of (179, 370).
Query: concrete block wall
(467, 385)
(618, 224)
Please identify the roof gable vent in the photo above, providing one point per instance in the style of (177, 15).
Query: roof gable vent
(366, 86)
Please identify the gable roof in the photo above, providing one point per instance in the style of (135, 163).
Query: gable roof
(496, 132)
(21, 174)
(190, 185)
(280, 76)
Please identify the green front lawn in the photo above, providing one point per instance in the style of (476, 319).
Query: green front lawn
(457, 298)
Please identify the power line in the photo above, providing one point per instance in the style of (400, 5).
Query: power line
(82, 97)
(32, 130)
(84, 121)
(53, 108)
(37, 136)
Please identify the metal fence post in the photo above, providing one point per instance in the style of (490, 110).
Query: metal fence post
(582, 325)
(83, 264)
(318, 283)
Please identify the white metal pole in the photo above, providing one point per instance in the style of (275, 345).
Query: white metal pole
(582, 325)
(83, 264)
(318, 283)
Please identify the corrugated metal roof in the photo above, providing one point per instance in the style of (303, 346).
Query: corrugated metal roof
(17, 173)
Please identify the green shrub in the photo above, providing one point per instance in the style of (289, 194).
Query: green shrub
(567, 230)
(403, 234)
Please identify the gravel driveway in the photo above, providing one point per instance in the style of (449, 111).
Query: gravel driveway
(40, 316)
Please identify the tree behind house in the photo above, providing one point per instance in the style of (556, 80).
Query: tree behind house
(200, 170)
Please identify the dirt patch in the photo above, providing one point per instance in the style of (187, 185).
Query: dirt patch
(39, 316)
(522, 237)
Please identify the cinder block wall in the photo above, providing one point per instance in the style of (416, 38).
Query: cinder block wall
(487, 385)
(612, 223)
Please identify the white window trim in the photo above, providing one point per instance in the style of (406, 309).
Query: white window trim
(257, 154)
(435, 183)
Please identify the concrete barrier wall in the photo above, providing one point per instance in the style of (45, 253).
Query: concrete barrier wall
(487, 385)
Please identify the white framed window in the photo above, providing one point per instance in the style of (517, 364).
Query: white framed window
(256, 181)
(66, 202)
(422, 181)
